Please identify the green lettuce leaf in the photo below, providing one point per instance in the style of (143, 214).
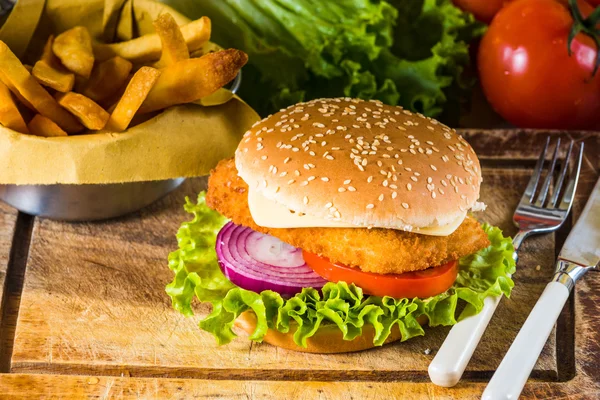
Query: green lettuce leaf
(410, 53)
(197, 275)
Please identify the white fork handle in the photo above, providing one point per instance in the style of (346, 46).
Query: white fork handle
(450, 362)
(511, 375)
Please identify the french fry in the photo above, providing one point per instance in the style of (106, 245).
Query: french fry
(49, 72)
(148, 47)
(74, 49)
(190, 80)
(45, 74)
(21, 83)
(47, 53)
(10, 116)
(42, 126)
(91, 115)
(106, 79)
(174, 47)
(135, 94)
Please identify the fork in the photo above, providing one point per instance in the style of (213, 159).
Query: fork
(536, 213)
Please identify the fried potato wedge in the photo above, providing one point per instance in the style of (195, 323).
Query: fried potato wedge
(174, 47)
(10, 116)
(61, 81)
(140, 85)
(189, 80)
(49, 71)
(107, 78)
(149, 48)
(21, 82)
(91, 115)
(42, 126)
(74, 49)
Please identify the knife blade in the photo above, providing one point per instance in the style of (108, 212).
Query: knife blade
(582, 246)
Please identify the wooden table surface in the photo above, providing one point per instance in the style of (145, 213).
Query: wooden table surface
(85, 315)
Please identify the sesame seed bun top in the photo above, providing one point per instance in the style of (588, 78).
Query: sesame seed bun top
(362, 163)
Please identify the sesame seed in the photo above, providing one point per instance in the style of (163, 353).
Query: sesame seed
(394, 195)
(414, 179)
(429, 180)
(341, 189)
(325, 179)
(408, 186)
(304, 183)
(380, 198)
(284, 173)
(370, 179)
(310, 178)
(286, 160)
(433, 167)
(405, 205)
(328, 205)
(291, 181)
(370, 205)
(305, 200)
(433, 195)
(337, 214)
(351, 189)
(263, 158)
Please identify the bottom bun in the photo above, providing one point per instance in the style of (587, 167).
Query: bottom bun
(328, 339)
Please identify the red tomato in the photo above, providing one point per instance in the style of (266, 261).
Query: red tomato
(527, 74)
(483, 10)
(421, 284)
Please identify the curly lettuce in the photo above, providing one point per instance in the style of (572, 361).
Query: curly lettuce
(197, 274)
(410, 53)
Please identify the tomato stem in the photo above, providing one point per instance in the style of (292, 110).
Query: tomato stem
(587, 26)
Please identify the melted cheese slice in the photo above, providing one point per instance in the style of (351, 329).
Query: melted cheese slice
(271, 214)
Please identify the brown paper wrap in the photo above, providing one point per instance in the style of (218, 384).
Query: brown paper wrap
(182, 141)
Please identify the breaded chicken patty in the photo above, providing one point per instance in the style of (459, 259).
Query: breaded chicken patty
(382, 251)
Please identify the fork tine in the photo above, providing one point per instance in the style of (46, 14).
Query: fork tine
(561, 177)
(535, 176)
(567, 199)
(546, 186)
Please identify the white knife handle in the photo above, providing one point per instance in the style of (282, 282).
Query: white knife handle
(450, 362)
(511, 375)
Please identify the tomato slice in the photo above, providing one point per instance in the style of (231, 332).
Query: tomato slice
(422, 284)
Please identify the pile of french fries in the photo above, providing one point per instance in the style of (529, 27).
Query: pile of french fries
(79, 85)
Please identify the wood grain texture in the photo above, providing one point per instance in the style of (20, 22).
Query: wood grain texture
(8, 218)
(13, 247)
(31, 386)
(94, 304)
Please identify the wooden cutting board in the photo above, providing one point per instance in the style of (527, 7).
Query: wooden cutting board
(84, 312)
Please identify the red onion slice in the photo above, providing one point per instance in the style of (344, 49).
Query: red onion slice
(257, 262)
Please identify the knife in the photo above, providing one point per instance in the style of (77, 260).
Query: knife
(580, 253)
